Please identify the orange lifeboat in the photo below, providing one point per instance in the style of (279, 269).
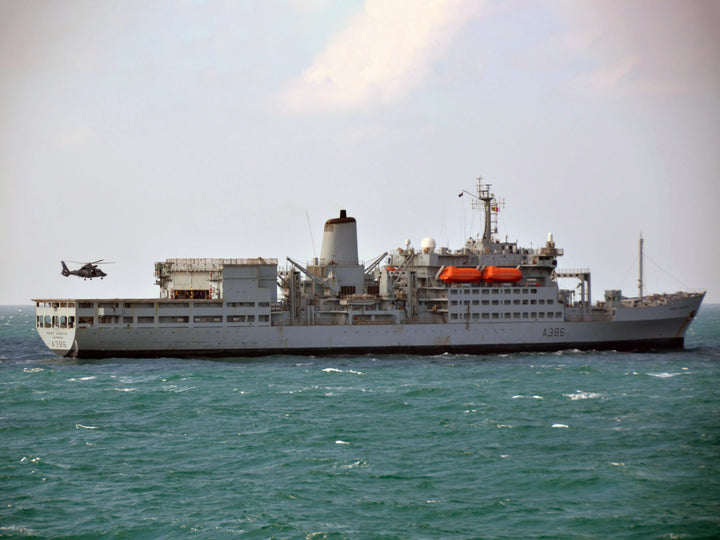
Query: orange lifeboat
(497, 274)
(453, 274)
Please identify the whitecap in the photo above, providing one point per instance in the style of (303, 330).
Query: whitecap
(560, 425)
(125, 389)
(33, 370)
(335, 370)
(529, 397)
(82, 379)
(341, 442)
(664, 375)
(81, 426)
(583, 395)
(16, 529)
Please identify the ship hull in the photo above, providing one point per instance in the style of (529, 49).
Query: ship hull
(641, 328)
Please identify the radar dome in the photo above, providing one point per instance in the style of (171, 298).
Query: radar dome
(427, 245)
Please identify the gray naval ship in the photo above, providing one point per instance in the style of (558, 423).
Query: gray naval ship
(488, 296)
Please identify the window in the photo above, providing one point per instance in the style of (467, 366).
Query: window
(207, 319)
(166, 319)
(240, 304)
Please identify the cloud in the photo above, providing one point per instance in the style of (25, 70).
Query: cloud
(641, 48)
(385, 52)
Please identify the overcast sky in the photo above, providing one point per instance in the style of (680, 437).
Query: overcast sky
(136, 131)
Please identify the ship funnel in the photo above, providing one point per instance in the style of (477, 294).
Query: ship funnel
(339, 244)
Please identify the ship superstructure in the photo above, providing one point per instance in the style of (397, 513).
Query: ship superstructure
(488, 296)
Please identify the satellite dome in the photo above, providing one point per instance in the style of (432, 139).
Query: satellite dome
(427, 245)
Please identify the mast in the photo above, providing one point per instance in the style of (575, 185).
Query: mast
(485, 199)
(640, 270)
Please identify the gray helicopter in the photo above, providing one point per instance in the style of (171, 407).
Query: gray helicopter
(86, 271)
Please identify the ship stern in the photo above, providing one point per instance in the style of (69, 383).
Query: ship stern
(56, 324)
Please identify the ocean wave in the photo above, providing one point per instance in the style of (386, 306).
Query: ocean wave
(335, 370)
(583, 395)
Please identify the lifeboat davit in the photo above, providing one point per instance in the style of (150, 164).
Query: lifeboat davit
(500, 274)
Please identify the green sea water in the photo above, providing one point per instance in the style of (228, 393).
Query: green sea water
(563, 445)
